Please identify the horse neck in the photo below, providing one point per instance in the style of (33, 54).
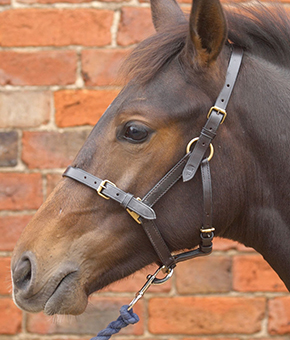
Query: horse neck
(264, 119)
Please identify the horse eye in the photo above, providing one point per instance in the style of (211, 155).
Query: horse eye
(136, 133)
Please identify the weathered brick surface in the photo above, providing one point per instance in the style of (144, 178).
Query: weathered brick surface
(11, 317)
(11, 228)
(5, 276)
(135, 25)
(24, 109)
(55, 27)
(101, 312)
(253, 273)
(227, 338)
(52, 1)
(204, 275)
(279, 316)
(100, 67)
(206, 315)
(46, 150)
(204, 338)
(37, 68)
(8, 148)
(20, 191)
(74, 107)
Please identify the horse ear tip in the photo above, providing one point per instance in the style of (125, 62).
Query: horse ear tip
(207, 39)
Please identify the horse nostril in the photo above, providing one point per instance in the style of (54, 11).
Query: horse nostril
(22, 273)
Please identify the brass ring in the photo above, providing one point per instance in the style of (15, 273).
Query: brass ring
(195, 140)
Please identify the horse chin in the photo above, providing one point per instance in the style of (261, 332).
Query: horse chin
(67, 298)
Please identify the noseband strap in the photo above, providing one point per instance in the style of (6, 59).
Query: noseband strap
(107, 190)
(141, 210)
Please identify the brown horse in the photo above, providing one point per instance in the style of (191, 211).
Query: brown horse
(78, 242)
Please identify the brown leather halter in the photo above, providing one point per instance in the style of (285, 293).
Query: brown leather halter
(141, 209)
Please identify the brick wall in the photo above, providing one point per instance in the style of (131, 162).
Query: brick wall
(58, 64)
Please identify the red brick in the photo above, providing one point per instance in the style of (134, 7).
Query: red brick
(226, 338)
(5, 276)
(100, 67)
(205, 315)
(269, 338)
(135, 25)
(55, 27)
(11, 317)
(52, 1)
(100, 312)
(252, 273)
(204, 275)
(215, 338)
(47, 150)
(20, 191)
(24, 108)
(37, 68)
(136, 281)
(11, 228)
(118, 0)
(279, 316)
(8, 148)
(81, 107)
(51, 182)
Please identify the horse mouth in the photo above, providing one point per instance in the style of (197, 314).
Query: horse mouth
(55, 303)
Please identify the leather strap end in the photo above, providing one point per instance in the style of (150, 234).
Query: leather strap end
(188, 173)
(142, 209)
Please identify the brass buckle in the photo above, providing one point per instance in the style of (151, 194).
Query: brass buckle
(134, 214)
(103, 186)
(219, 110)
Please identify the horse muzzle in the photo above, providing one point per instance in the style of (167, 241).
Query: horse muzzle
(35, 290)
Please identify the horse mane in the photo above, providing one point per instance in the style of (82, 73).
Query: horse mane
(262, 31)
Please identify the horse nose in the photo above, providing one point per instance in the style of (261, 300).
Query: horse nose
(23, 272)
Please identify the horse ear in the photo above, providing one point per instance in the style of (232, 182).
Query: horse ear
(166, 13)
(207, 30)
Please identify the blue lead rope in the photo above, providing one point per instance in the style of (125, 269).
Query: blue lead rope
(127, 317)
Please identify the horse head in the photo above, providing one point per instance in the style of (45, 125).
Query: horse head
(78, 242)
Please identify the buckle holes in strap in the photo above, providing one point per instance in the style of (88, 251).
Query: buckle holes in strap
(195, 140)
